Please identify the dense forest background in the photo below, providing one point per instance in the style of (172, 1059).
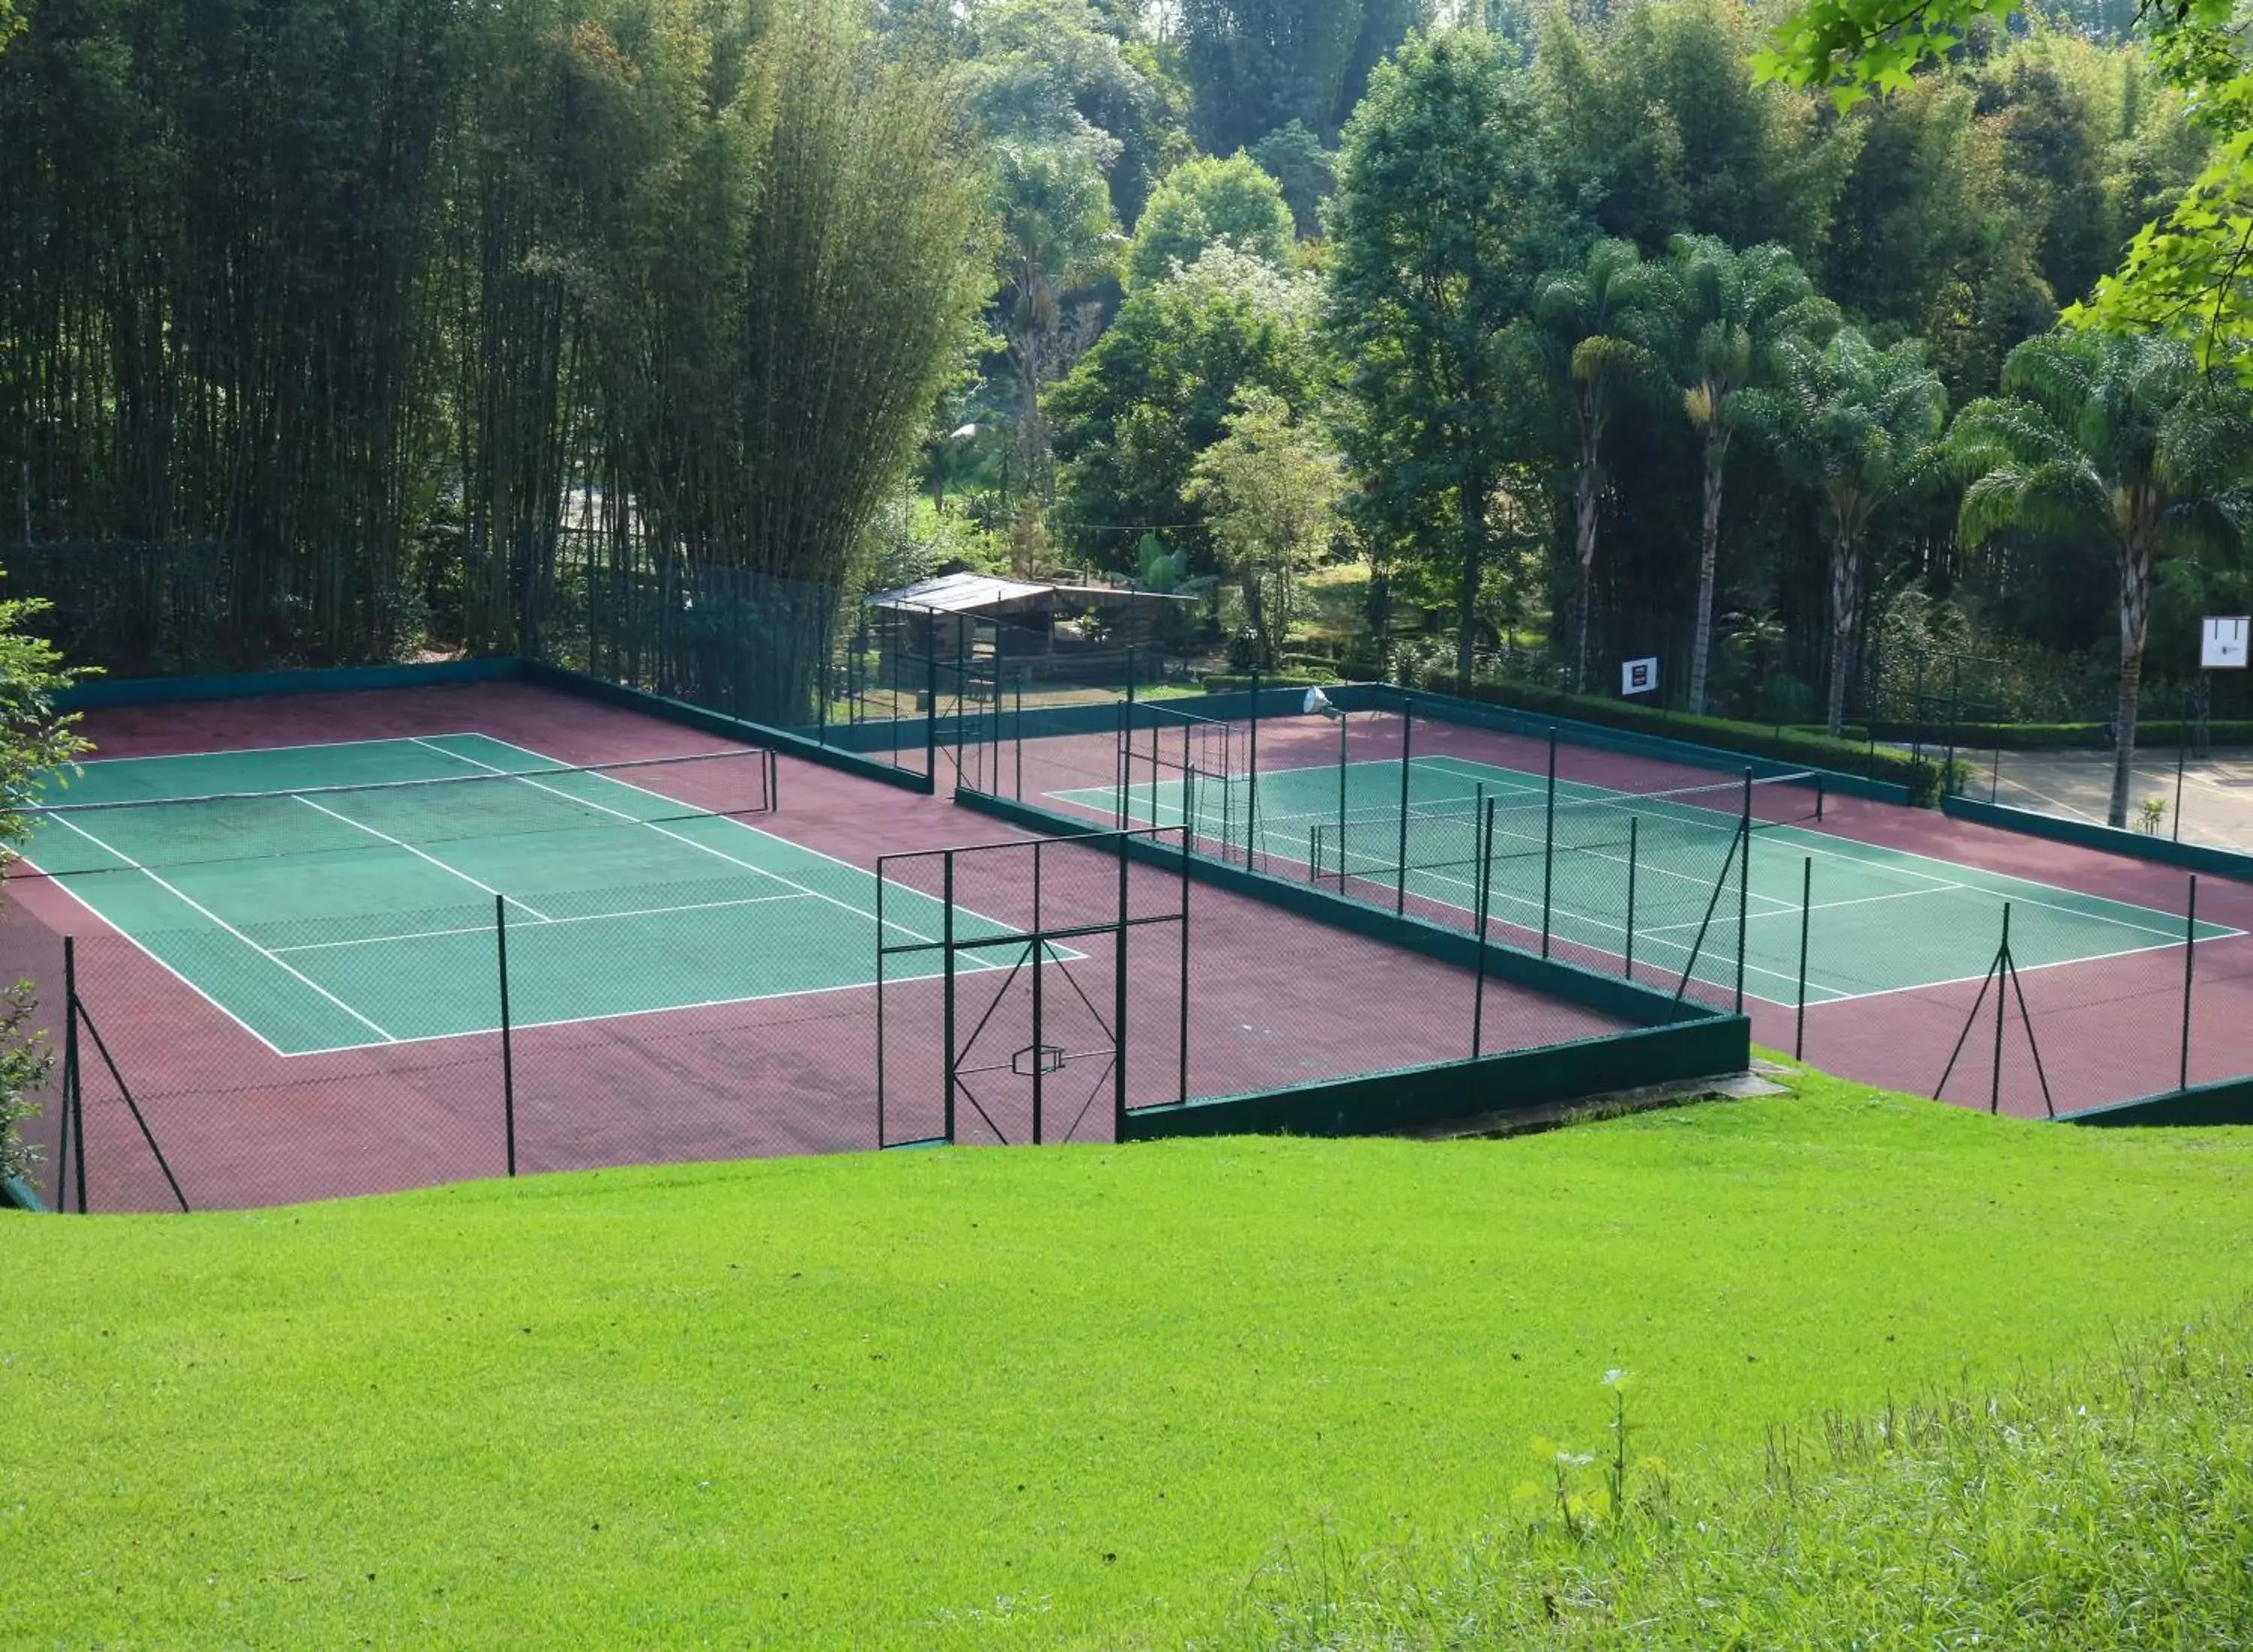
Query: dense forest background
(1505, 338)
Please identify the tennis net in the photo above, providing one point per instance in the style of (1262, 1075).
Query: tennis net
(1685, 828)
(536, 800)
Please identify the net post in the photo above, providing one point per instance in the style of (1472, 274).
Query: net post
(1407, 742)
(507, 1039)
(1187, 842)
(2004, 968)
(2190, 958)
(946, 1015)
(73, 1089)
(1549, 842)
(1634, 852)
(1806, 899)
(1484, 901)
(1252, 778)
(1744, 888)
(1822, 786)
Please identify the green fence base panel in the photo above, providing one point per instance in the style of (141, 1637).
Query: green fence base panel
(2193, 857)
(1518, 1081)
(713, 722)
(2227, 1101)
(1515, 720)
(249, 685)
(1506, 965)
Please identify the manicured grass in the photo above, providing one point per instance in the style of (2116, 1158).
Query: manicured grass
(1023, 1397)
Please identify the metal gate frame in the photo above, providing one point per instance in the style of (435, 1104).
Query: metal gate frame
(1037, 953)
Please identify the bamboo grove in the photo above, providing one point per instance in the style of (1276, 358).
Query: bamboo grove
(329, 325)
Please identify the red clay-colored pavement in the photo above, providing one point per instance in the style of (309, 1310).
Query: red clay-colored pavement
(1275, 999)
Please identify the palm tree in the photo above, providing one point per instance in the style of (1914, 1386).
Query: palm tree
(2122, 437)
(1056, 230)
(1735, 306)
(1607, 322)
(1861, 426)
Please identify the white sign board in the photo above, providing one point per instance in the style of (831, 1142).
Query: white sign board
(1639, 676)
(2223, 643)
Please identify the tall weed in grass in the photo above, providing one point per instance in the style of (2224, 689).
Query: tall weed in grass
(2105, 1508)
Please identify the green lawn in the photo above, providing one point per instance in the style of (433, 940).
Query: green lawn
(1026, 1397)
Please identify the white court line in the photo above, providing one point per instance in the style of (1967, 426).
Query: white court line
(198, 906)
(362, 825)
(1789, 910)
(253, 751)
(63, 881)
(890, 923)
(579, 917)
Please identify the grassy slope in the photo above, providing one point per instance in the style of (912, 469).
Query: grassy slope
(1021, 1397)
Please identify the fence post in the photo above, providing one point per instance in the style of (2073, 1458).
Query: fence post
(1634, 836)
(1252, 778)
(1187, 843)
(930, 701)
(1343, 720)
(1483, 900)
(1407, 740)
(1549, 842)
(2002, 968)
(2190, 959)
(1019, 731)
(1806, 907)
(946, 1015)
(1744, 888)
(73, 1090)
(507, 1042)
(1119, 994)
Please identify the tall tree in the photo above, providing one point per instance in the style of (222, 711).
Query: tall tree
(2124, 438)
(1861, 427)
(1257, 65)
(1734, 307)
(1442, 220)
(1133, 415)
(1609, 325)
(1270, 487)
(1056, 231)
(1203, 201)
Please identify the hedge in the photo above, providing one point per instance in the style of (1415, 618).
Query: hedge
(1232, 683)
(2059, 736)
(1920, 774)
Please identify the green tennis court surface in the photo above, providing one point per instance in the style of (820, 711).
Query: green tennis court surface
(339, 896)
(1882, 920)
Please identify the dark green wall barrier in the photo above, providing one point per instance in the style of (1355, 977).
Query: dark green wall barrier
(2150, 733)
(2087, 834)
(1505, 966)
(597, 688)
(2228, 1101)
(1705, 743)
(335, 679)
(1515, 1082)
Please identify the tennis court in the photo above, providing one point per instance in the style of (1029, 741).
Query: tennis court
(339, 896)
(1644, 869)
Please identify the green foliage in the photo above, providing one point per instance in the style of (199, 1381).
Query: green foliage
(2101, 1506)
(1257, 65)
(1270, 488)
(1443, 221)
(38, 745)
(1203, 201)
(2185, 272)
(1293, 155)
(1134, 413)
(1659, 129)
